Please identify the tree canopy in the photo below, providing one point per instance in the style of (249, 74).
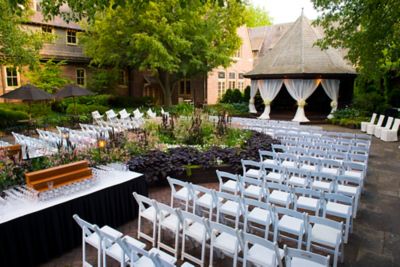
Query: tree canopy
(256, 16)
(369, 29)
(48, 76)
(18, 46)
(172, 39)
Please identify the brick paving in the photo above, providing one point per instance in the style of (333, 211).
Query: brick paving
(375, 240)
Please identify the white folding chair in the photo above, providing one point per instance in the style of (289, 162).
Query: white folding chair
(124, 115)
(150, 213)
(287, 160)
(329, 234)
(171, 222)
(274, 173)
(308, 200)
(232, 183)
(195, 230)
(291, 222)
(378, 129)
(309, 163)
(253, 188)
(90, 237)
(391, 135)
(252, 169)
(151, 114)
(371, 127)
(340, 206)
(330, 166)
(349, 186)
(277, 148)
(298, 177)
(182, 191)
(96, 116)
(297, 257)
(322, 181)
(224, 239)
(257, 216)
(259, 251)
(137, 114)
(111, 115)
(278, 194)
(229, 209)
(268, 157)
(356, 170)
(206, 202)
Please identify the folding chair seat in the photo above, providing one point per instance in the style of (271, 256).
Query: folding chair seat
(298, 177)
(171, 222)
(268, 157)
(291, 222)
(301, 258)
(181, 191)
(340, 206)
(253, 188)
(150, 213)
(274, 173)
(258, 251)
(323, 181)
(330, 166)
(378, 129)
(278, 194)
(194, 229)
(91, 237)
(232, 206)
(207, 202)
(232, 183)
(307, 199)
(371, 127)
(349, 186)
(252, 169)
(258, 215)
(309, 163)
(287, 160)
(224, 239)
(327, 233)
(364, 124)
(356, 170)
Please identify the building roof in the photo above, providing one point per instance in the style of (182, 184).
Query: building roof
(289, 49)
(57, 21)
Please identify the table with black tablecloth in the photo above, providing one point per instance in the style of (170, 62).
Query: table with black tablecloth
(38, 232)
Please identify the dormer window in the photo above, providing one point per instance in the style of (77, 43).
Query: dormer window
(72, 39)
(47, 29)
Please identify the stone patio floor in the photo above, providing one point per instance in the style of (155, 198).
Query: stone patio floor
(375, 240)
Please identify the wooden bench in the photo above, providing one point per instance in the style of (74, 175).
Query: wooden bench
(59, 176)
(13, 151)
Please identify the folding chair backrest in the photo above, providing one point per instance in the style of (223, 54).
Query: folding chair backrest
(227, 175)
(278, 148)
(326, 222)
(331, 163)
(250, 164)
(87, 227)
(131, 250)
(266, 154)
(339, 198)
(175, 182)
(373, 118)
(169, 210)
(298, 172)
(307, 192)
(280, 187)
(289, 212)
(142, 200)
(291, 253)
(396, 125)
(389, 123)
(380, 120)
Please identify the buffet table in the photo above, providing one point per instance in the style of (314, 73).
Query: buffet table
(37, 231)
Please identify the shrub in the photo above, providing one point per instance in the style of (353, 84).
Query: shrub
(11, 117)
(85, 109)
(235, 109)
(103, 81)
(182, 109)
(130, 102)
(232, 96)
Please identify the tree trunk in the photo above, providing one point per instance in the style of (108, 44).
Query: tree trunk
(166, 84)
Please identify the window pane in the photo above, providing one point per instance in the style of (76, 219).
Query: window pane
(182, 88)
(188, 89)
(232, 75)
(221, 75)
(241, 76)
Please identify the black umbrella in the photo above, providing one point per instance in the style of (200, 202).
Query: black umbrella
(72, 90)
(28, 93)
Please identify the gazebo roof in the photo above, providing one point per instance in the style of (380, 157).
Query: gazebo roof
(296, 55)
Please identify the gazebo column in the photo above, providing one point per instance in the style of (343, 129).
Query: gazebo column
(331, 88)
(253, 92)
(269, 90)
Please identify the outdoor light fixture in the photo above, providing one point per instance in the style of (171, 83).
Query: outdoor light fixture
(101, 143)
(65, 135)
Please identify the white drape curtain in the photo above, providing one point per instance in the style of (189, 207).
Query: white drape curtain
(300, 90)
(269, 89)
(331, 88)
(253, 92)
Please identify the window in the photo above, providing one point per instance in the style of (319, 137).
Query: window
(240, 85)
(232, 85)
(47, 29)
(221, 88)
(185, 88)
(221, 75)
(232, 75)
(12, 76)
(80, 77)
(71, 37)
(122, 78)
(238, 52)
(241, 76)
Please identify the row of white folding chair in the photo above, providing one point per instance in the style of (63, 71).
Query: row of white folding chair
(115, 126)
(78, 137)
(221, 237)
(95, 130)
(327, 134)
(3, 143)
(124, 249)
(262, 122)
(279, 195)
(317, 154)
(319, 167)
(49, 137)
(30, 141)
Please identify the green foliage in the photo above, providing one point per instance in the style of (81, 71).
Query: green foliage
(349, 117)
(235, 109)
(232, 96)
(17, 46)
(172, 39)
(182, 109)
(256, 16)
(84, 109)
(246, 94)
(48, 76)
(130, 102)
(103, 81)
(10, 117)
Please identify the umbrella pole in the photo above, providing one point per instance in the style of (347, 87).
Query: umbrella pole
(74, 105)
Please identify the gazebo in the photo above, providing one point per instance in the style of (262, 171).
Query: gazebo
(296, 62)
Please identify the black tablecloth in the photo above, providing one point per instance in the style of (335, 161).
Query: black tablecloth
(49, 233)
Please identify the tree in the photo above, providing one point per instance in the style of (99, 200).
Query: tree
(48, 76)
(173, 39)
(256, 16)
(18, 46)
(369, 29)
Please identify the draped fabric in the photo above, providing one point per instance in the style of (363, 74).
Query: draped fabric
(253, 92)
(269, 89)
(300, 90)
(331, 88)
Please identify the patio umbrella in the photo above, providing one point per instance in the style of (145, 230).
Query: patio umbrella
(72, 90)
(28, 93)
